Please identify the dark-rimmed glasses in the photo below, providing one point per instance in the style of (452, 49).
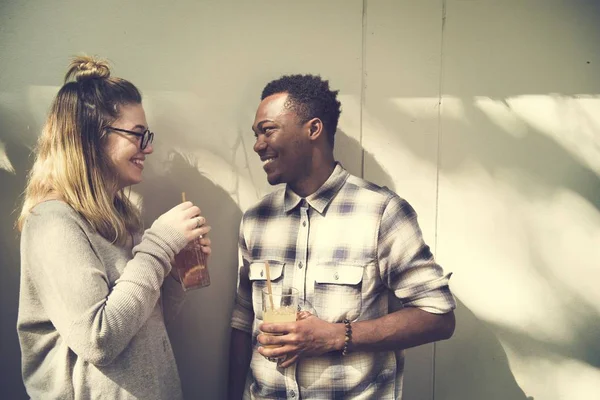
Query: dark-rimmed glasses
(147, 136)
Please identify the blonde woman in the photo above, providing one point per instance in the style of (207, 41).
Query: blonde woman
(90, 320)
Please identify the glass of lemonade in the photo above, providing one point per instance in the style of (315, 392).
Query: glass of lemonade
(279, 307)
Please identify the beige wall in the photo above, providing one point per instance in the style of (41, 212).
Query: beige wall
(483, 114)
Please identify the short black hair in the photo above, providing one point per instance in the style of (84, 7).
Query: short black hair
(309, 97)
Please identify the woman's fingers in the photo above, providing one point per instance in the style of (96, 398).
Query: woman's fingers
(186, 218)
(191, 212)
(196, 222)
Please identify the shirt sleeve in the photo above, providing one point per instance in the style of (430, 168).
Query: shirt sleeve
(407, 266)
(243, 313)
(97, 320)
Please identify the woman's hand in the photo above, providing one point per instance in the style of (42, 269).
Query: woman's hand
(186, 218)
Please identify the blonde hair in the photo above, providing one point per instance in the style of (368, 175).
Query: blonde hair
(70, 162)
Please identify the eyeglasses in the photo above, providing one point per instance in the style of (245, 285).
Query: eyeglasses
(147, 136)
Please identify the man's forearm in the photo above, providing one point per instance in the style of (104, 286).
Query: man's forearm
(402, 329)
(240, 354)
(312, 336)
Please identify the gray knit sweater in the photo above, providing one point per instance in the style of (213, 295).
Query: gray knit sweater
(90, 320)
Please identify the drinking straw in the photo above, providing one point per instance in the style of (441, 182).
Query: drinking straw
(269, 289)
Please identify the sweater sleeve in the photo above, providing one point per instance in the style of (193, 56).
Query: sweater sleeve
(96, 319)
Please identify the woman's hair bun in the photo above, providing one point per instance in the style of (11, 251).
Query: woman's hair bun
(83, 68)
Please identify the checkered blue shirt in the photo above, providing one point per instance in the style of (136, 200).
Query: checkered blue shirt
(346, 248)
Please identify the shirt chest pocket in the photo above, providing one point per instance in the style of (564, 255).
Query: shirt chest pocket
(338, 291)
(258, 277)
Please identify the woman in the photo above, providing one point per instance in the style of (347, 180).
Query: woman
(90, 320)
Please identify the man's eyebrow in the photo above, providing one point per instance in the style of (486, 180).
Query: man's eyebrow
(260, 124)
(138, 126)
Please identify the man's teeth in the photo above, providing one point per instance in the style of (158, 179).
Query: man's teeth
(138, 162)
(268, 160)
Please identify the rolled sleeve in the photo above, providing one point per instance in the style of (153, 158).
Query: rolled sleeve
(406, 263)
(431, 296)
(242, 318)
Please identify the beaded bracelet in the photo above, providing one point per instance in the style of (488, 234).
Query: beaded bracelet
(348, 336)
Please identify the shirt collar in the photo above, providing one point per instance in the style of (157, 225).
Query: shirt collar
(320, 199)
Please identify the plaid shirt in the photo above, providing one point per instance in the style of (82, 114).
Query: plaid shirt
(345, 248)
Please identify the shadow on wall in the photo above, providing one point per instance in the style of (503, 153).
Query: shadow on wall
(349, 152)
(478, 361)
(11, 185)
(200, 333)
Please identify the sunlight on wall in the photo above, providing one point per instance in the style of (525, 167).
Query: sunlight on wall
(572, 121)
(500, 113)
(525, 261)
(525, 250)
(517, 247)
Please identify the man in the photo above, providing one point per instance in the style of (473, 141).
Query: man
(346, 245)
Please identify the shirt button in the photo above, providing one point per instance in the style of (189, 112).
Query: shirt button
(292, 393)
(300, 265)
(303, 223)
(336, 276)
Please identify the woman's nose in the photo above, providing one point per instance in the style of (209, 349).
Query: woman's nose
(149, 149)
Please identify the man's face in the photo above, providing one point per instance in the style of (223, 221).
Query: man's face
(281, 142)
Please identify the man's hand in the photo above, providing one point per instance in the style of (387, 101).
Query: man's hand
(309, 336)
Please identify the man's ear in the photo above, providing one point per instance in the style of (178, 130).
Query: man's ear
(315, 128)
